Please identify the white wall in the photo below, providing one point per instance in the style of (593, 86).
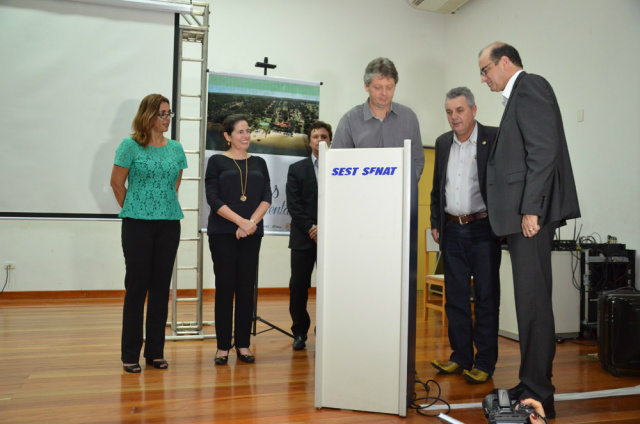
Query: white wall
(62, 255)
(332, 41)
(587, 49)
(329, 41)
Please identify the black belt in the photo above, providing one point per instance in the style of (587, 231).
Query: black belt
(465, 219)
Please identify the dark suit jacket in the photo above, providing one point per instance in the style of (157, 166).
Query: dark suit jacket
(486, 137)
(529, 170)
(302, 201)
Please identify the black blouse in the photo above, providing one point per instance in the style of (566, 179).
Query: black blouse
(222, 184)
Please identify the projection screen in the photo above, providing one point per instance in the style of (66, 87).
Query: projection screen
(73, 77)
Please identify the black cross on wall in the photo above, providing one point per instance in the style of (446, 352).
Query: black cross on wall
(266, 65)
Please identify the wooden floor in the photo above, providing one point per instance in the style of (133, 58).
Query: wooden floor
(59, 363)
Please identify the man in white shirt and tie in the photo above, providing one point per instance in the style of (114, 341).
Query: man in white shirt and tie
(302, 201)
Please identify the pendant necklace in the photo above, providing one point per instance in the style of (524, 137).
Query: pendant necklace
(243, 198)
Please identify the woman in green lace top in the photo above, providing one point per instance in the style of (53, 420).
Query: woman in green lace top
(152, 165)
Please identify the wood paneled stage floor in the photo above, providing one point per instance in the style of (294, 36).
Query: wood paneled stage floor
(59, 363)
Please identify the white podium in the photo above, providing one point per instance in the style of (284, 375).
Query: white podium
(365, 305)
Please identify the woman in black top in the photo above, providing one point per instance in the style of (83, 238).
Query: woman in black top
(239, 193)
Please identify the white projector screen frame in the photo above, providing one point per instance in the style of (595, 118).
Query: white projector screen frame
(73, 77)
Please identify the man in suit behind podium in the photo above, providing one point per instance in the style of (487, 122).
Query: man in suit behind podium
(459, 224)
(302, 201)
(531, 192)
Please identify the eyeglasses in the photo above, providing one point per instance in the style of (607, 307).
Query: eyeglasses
(483, 70)
(166, 115)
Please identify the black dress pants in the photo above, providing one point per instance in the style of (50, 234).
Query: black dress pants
(302, 263)
(532, 285)
(149, 248)
(235, 265)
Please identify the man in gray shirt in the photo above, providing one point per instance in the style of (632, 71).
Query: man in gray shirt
(380, 122)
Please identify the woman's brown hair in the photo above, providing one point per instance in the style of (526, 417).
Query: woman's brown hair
(146, 118)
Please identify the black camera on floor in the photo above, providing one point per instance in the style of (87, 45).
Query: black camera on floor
(499, 409)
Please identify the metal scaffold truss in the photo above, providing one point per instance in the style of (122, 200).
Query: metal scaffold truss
(191, 127)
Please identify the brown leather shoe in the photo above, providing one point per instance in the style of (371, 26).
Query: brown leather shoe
(449, 367)
(475, 376)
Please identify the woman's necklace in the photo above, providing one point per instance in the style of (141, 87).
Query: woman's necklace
(246, 177)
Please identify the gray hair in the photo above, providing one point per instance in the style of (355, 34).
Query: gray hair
(382, 67)
(462, 91)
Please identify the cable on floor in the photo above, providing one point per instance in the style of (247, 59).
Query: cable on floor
(431, 400)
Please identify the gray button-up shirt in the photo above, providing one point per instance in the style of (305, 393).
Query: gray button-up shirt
(358, 128)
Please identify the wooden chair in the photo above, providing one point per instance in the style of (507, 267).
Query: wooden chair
(433, 280)
(436, 279)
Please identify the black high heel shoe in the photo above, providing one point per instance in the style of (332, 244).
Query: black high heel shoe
(249, 359)
(134, 369)
(160, 364)
(221, 360)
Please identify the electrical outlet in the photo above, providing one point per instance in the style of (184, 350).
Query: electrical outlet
(9, 265)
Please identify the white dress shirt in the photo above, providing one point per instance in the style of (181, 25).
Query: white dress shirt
(506, 93)
(462, 188)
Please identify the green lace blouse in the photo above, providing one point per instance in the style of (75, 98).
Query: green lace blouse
(153, 172)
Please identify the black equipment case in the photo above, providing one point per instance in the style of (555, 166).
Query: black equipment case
(619, 330)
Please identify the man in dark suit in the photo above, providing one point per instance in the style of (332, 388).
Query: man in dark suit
(530, 192)
(302, 201)
(459, 224)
